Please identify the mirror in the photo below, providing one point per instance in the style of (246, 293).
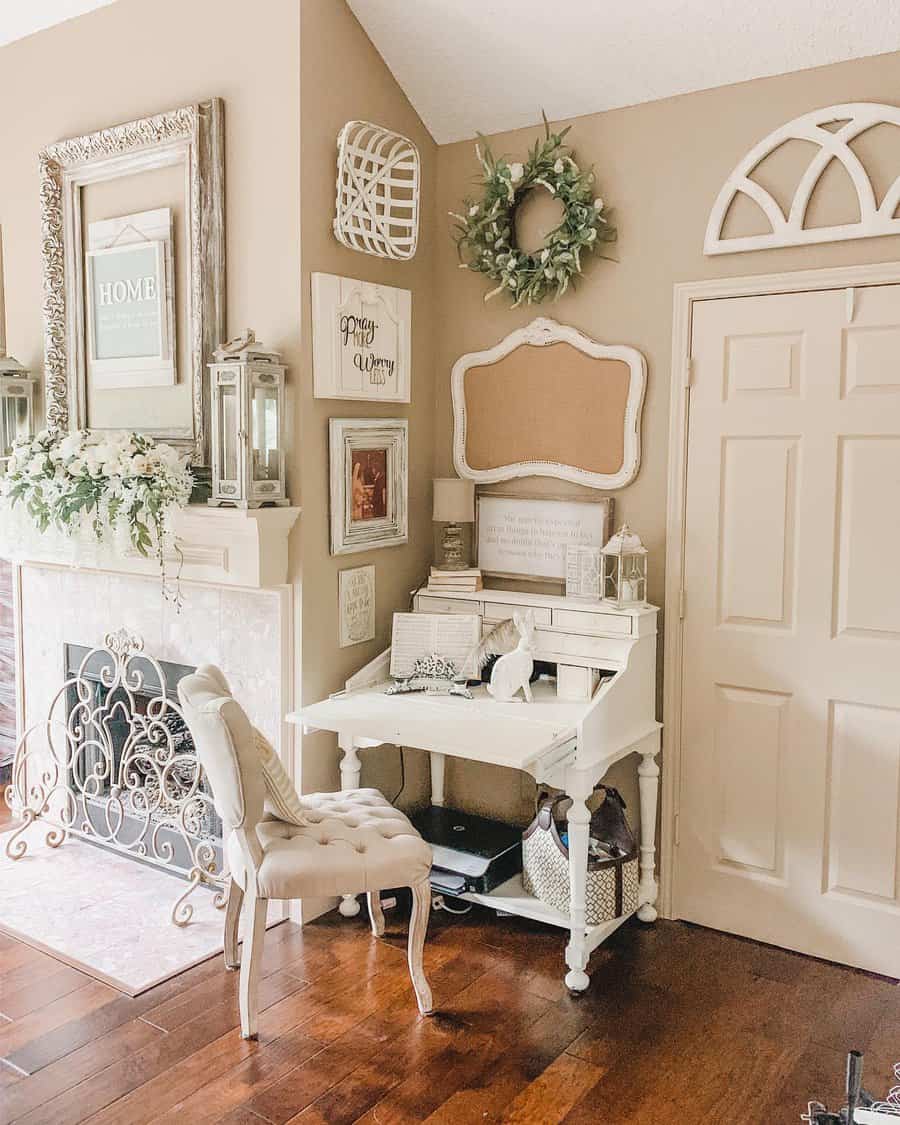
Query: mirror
(134, 275)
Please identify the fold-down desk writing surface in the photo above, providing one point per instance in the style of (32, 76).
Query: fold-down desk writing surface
(481, 729)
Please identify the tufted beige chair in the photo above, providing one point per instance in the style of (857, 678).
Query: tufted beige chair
(349, 842)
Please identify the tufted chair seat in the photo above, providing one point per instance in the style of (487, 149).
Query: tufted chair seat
(317, 846)
(355, 841)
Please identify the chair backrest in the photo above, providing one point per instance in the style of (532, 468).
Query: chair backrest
(223, 738)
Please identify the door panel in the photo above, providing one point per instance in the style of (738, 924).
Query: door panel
(791, 679)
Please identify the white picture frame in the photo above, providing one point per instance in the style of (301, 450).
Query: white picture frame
(583, 572)
(362, 340)
(540, 333)
(146, 239)
(369, 483)
(527, 538)
(356, 605)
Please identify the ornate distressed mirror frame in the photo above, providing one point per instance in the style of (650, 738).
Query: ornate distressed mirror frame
(192, 135)
(608, 412)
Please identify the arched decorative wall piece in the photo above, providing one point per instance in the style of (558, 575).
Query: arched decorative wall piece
(549, 401)
(853, 119)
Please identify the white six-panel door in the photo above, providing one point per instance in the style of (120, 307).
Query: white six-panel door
(790, 778)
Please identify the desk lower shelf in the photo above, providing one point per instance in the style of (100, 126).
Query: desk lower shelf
(512, 898)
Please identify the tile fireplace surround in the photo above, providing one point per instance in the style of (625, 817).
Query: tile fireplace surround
(237, 612)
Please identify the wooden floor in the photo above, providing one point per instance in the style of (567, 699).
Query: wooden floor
(680, 1025)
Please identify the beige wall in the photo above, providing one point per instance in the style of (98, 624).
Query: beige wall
(133, 59)
(660, 166)
(308, 69)
(343, 78)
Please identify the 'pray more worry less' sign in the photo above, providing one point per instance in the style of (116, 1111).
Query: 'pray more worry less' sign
(361, 340)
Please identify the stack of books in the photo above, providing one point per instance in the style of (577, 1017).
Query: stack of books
(454, 581)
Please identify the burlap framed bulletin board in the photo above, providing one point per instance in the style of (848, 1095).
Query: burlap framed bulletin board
(549, 401)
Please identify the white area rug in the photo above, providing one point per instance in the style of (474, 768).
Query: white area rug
(104, 913)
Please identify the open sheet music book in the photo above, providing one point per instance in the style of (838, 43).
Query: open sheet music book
(451, 635)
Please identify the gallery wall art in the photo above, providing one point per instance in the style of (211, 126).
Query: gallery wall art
(362, 340)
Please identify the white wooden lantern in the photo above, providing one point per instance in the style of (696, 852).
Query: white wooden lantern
(16, 404)
(247, 402)
(623, 569)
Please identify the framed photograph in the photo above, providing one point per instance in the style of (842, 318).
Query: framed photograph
(356, 601)
(369, 483)
(362, 335)
(130, 307)
(522, 537)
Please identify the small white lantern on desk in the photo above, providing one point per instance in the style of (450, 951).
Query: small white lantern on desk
(16, 403)
(247, 400)
(623, 570)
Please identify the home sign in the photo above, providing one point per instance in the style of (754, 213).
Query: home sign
(131, 330)
(361, 340)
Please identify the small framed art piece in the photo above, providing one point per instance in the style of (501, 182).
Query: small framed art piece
(362, 335)
(130, 310)
(522, 537)
(369, 482)
(356, 597)
(583, 572)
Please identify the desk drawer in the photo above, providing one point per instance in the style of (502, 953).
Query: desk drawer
(500, 611)
(427, 603)
(574, 648)
(578, 621)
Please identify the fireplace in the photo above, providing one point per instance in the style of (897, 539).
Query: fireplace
(133, 773)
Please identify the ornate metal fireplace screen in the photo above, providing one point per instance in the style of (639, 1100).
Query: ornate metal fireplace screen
(114, 764)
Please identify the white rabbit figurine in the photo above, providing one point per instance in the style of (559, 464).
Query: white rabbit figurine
(513, 671)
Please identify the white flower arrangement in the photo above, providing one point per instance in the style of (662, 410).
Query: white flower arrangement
(114, 489)
(485, 230)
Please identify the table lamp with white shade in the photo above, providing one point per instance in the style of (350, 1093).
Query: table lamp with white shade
(454, 505)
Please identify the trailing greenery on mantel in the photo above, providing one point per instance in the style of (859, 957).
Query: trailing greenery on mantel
(485, 229)
(119, 490)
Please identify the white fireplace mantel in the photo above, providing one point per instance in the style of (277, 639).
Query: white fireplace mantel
(219, 546)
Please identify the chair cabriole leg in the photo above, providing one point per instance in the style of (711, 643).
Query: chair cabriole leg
(254, 934)
(418, 927)
(232, 919)
(376, 914)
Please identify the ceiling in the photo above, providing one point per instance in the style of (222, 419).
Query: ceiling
(489, 65)
(19, 18)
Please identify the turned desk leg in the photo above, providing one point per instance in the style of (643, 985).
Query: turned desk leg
(437, 777)
(577, 953)
(648, 782)
(350, 771)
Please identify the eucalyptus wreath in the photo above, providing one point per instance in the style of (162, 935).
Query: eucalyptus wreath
(486, 231)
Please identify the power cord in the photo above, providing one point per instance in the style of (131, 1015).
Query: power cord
(438, 902)
(402, 776)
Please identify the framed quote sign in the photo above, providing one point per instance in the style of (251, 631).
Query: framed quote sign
(356, 597)
(519, 537)
(130, 312)
(362, 335)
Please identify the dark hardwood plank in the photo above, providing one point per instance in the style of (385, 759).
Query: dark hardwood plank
(111, 1087)
(74, 1068)
(680, 1023)
(85, 999)
(36, 993)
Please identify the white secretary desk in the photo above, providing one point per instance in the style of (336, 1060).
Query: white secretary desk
(569, 744)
